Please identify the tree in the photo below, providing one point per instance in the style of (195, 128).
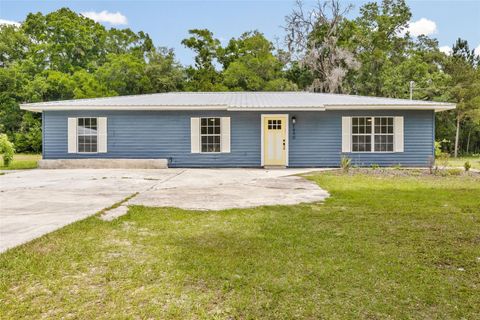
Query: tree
(164, 72)
(465, 85)
(379, 42)
(204, 76)
(422, 63)
(124, 74)
(250, 64)
(313, 38)
(13, 44)
(29, 137)
(87, 85)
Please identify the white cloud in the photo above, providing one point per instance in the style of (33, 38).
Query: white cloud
(477, 50)
(422, 26)
(446, 49)
(104, 16)
(9, 22)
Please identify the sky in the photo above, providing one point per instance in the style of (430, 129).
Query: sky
(168, 22)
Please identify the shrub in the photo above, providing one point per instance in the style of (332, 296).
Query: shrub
(454, 172)
(345, 163)
(7, 149)
(467, 165)
(398, 166)
(375, 166)
(29, 137)
(438, 147)
(442, 160)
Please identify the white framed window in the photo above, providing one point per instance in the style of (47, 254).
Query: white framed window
(372, 134)
(210, 134)
(87, 135)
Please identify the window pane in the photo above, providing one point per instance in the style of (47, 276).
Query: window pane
(94, 145)
(368, 143)
(368, 125)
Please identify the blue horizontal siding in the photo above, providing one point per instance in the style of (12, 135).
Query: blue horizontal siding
(166, 134)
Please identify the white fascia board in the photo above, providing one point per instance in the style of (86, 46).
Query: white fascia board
(436, 108)
(40, 108)
(285, 109)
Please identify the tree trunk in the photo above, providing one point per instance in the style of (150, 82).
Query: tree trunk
(457, 135)
(468, 139)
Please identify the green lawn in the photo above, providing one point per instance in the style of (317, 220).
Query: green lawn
(22, 161)
(460, 161)
(381, 247)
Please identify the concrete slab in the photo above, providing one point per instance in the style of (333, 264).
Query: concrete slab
(231, 188)
(35, 202)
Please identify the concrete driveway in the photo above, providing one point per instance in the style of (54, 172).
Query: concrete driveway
(35, 202)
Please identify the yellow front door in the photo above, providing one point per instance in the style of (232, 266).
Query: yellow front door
(275, 140)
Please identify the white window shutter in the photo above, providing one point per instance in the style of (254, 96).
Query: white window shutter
(195, 135)
(72, 135)
(398, 134)
(102, 134)
(225, 134)
(346, 134)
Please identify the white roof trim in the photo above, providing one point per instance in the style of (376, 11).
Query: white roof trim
(276, 109)
(34, 108)
(239, 101)
(436, 108)
(225, 108)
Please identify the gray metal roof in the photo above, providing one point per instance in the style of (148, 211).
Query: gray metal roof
(238, 101)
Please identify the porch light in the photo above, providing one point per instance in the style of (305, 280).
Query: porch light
(294, 120)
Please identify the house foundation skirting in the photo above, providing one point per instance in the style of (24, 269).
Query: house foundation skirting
(104, 164)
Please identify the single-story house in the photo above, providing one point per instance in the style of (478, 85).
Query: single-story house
(242, 129)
